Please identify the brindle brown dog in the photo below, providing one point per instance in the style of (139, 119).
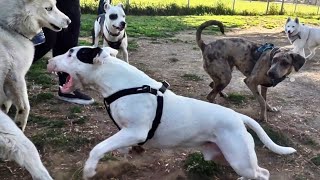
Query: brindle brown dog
(266, 69)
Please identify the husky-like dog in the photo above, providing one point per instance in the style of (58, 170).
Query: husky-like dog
(111, 26)
(20, 21)
(302, 36)
(184, 122)
(14, 145)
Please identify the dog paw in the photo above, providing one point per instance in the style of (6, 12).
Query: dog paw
(272, 109)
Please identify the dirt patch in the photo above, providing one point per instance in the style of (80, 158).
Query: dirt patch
(178, 60)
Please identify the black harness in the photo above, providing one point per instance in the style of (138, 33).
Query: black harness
(294, 37)
(139, 90)
(117, 44)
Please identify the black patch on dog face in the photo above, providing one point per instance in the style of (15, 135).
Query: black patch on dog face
(86, 55)
(113, 16)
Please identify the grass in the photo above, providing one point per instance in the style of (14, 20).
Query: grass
(168, 26)
(191, 77)
(198, 168)
(236, 98)
(41, 98)
(133, 45)
(38, 74)
(45, 122)
(176, 7)
(316, 160)
(56, 138)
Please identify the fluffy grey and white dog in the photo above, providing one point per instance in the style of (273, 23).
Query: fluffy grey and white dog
(20, 20)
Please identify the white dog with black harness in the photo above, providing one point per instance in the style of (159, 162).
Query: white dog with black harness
(111, 26)
(148, 113)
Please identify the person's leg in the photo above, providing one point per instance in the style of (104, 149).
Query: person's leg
(67, 39)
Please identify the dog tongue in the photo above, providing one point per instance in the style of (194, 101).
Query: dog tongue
(66, 88)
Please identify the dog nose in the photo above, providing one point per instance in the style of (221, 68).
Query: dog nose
(123, 24)
(289, 31)
(271, 74)
(68, 21)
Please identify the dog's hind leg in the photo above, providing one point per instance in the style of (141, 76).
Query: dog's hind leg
(264, 95)
(237, 147)
(312, 53)
(221, 75)
(211, 152)
(124, 138)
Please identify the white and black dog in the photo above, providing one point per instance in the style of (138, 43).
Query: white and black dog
(302, 36)
(220, 132)
(111, 26)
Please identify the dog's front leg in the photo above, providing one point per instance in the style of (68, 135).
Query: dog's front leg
(125, 55)
(124, 138)
(254, 89)
(264, 95)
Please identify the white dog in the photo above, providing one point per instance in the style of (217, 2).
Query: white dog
(111, 26)
(14, 145)
(20, 20)
(185, 122)
(302, 36)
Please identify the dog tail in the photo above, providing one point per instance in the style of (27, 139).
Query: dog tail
(265, 138)
(200, 42)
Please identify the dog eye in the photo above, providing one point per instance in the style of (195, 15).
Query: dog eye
(113, 16)
(284, 63)
(48, 8)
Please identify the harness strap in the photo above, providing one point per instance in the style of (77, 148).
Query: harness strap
(114, 44)
(138, 90)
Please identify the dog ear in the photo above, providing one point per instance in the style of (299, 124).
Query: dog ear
(297, 61)
(120, 5)
(296, 20)
(273, 52)
(113, 52)
(106, 7)
(289, 19)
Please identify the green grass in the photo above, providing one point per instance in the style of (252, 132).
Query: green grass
(41, 98)
(133, 45)
(168, 26)
(316, 160)
(56, 138)
(45, 122)
(176, 7)
(198, 168)
(39, 75)
(236, 98)
(191, 77)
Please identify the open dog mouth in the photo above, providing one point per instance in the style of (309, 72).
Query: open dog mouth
(55, 28)
(67, 87)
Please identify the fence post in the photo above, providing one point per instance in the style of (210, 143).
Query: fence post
(128, 3)
(267, 6)
(234, 1)
(281, 10)
(188, 4)
(295, 6)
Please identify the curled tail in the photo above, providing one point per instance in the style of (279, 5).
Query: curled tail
(200, 42)
(265, 138)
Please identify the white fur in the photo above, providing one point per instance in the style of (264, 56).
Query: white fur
(185, 122)
(111, 24)
(16, 51)
(310, 37)
(14, 145)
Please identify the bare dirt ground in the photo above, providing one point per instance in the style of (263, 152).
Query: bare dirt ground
(178, 60)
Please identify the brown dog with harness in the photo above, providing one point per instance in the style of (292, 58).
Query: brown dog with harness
(262, 65)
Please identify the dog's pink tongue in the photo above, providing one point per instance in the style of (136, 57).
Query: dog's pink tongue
(66, 88)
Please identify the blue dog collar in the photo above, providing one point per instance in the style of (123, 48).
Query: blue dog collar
(38, 39)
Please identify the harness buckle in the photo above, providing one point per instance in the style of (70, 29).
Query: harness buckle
(145, 88)
(164, 86)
